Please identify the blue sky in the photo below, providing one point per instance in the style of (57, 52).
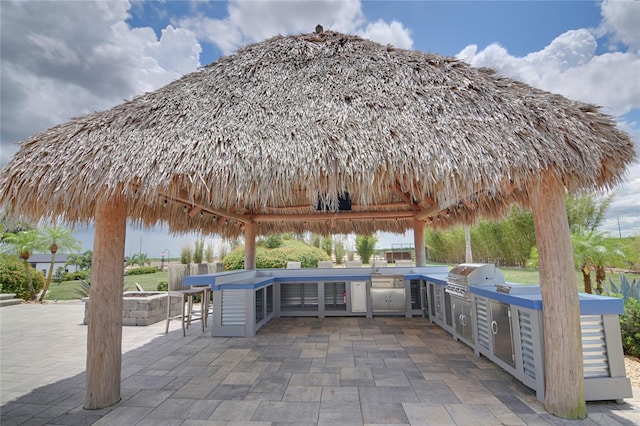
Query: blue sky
(67, 58)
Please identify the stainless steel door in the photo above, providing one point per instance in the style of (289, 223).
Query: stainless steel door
(438, 308)
(388, 300)
(397, 299)
(501, 330)
(463, 318)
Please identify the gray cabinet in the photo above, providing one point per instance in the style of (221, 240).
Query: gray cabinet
(335, 296)
(299, 297)
(439, 302)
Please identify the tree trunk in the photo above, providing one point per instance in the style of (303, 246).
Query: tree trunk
(32, 291)
(418, 242)
(27, 270)
(586, 279)
(104, 334)
(468, 254)
(601, 275)
(47, 283)
(249, 246)
(564, 374)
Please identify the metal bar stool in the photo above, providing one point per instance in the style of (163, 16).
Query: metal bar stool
(186, 316)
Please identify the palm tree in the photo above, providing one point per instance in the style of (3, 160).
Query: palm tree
(23, 243)
(86, 259)
(592, 252)
(143, 259)
(468, 254)
(582, 256)
(139, 259)
(605, 251)
(74, 259)
(57, 239)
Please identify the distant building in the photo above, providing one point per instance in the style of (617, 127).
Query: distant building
(42, 261)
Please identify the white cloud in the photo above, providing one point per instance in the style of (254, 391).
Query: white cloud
(394, 34)
(64, 59)
(621, 19)
(571, 66)
(251, 21)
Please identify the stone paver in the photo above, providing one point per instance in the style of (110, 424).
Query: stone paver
(347, 371)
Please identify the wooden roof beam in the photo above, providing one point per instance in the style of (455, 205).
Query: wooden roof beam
(405, 214)
(183, 198)
(408, 199)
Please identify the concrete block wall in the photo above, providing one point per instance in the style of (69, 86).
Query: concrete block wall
(141, 311)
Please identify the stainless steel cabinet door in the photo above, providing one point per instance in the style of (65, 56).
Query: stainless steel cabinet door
(502, 335)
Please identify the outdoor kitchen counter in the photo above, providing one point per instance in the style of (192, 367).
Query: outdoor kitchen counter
(262, 277)
(529, 296)
(244, 301)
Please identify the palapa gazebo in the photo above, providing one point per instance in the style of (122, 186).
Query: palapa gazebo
(273, 138)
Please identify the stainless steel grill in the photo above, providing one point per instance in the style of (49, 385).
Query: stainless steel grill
(466, 274)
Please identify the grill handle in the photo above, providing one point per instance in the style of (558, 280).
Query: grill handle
(494, 327)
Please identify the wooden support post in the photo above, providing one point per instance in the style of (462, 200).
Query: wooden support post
(249, 246)
(418, 241)
(104, 334)
(564, 374)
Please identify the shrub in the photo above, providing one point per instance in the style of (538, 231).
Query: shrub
(628, 290)
(185, 255)
(272, 241)
(339, 250)
(630, 320)
(13, 277)
(198, 252)
(365, 246)
(162, 286)
(630, 327)
(208, 253)
(289, 251)
(142, 271)
(76, 276)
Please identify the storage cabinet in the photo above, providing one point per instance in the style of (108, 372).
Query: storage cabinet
(512, 336)
(501, 332)
(418, 295)
(388, 300)
(388, 294)
(335, 296)
(463, 319)
(358, 296)
(440, 306)
(299, 297)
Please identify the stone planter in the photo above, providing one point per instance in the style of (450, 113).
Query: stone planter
(143, 308)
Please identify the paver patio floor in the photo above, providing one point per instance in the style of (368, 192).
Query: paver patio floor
(298, 371)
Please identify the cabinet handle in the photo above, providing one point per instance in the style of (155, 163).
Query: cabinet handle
(463, 320)
(494, 327)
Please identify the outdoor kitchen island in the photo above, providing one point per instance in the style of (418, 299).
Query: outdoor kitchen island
(244, 301)
(502, 321)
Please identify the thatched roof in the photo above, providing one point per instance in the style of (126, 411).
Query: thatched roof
(265, 134)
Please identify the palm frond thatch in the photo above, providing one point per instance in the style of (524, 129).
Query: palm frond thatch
(267, 133)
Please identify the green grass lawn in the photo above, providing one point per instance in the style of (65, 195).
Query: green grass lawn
(531, 276)
(67, 289)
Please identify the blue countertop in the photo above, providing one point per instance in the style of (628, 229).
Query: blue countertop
(529, 296)
(526, 296)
